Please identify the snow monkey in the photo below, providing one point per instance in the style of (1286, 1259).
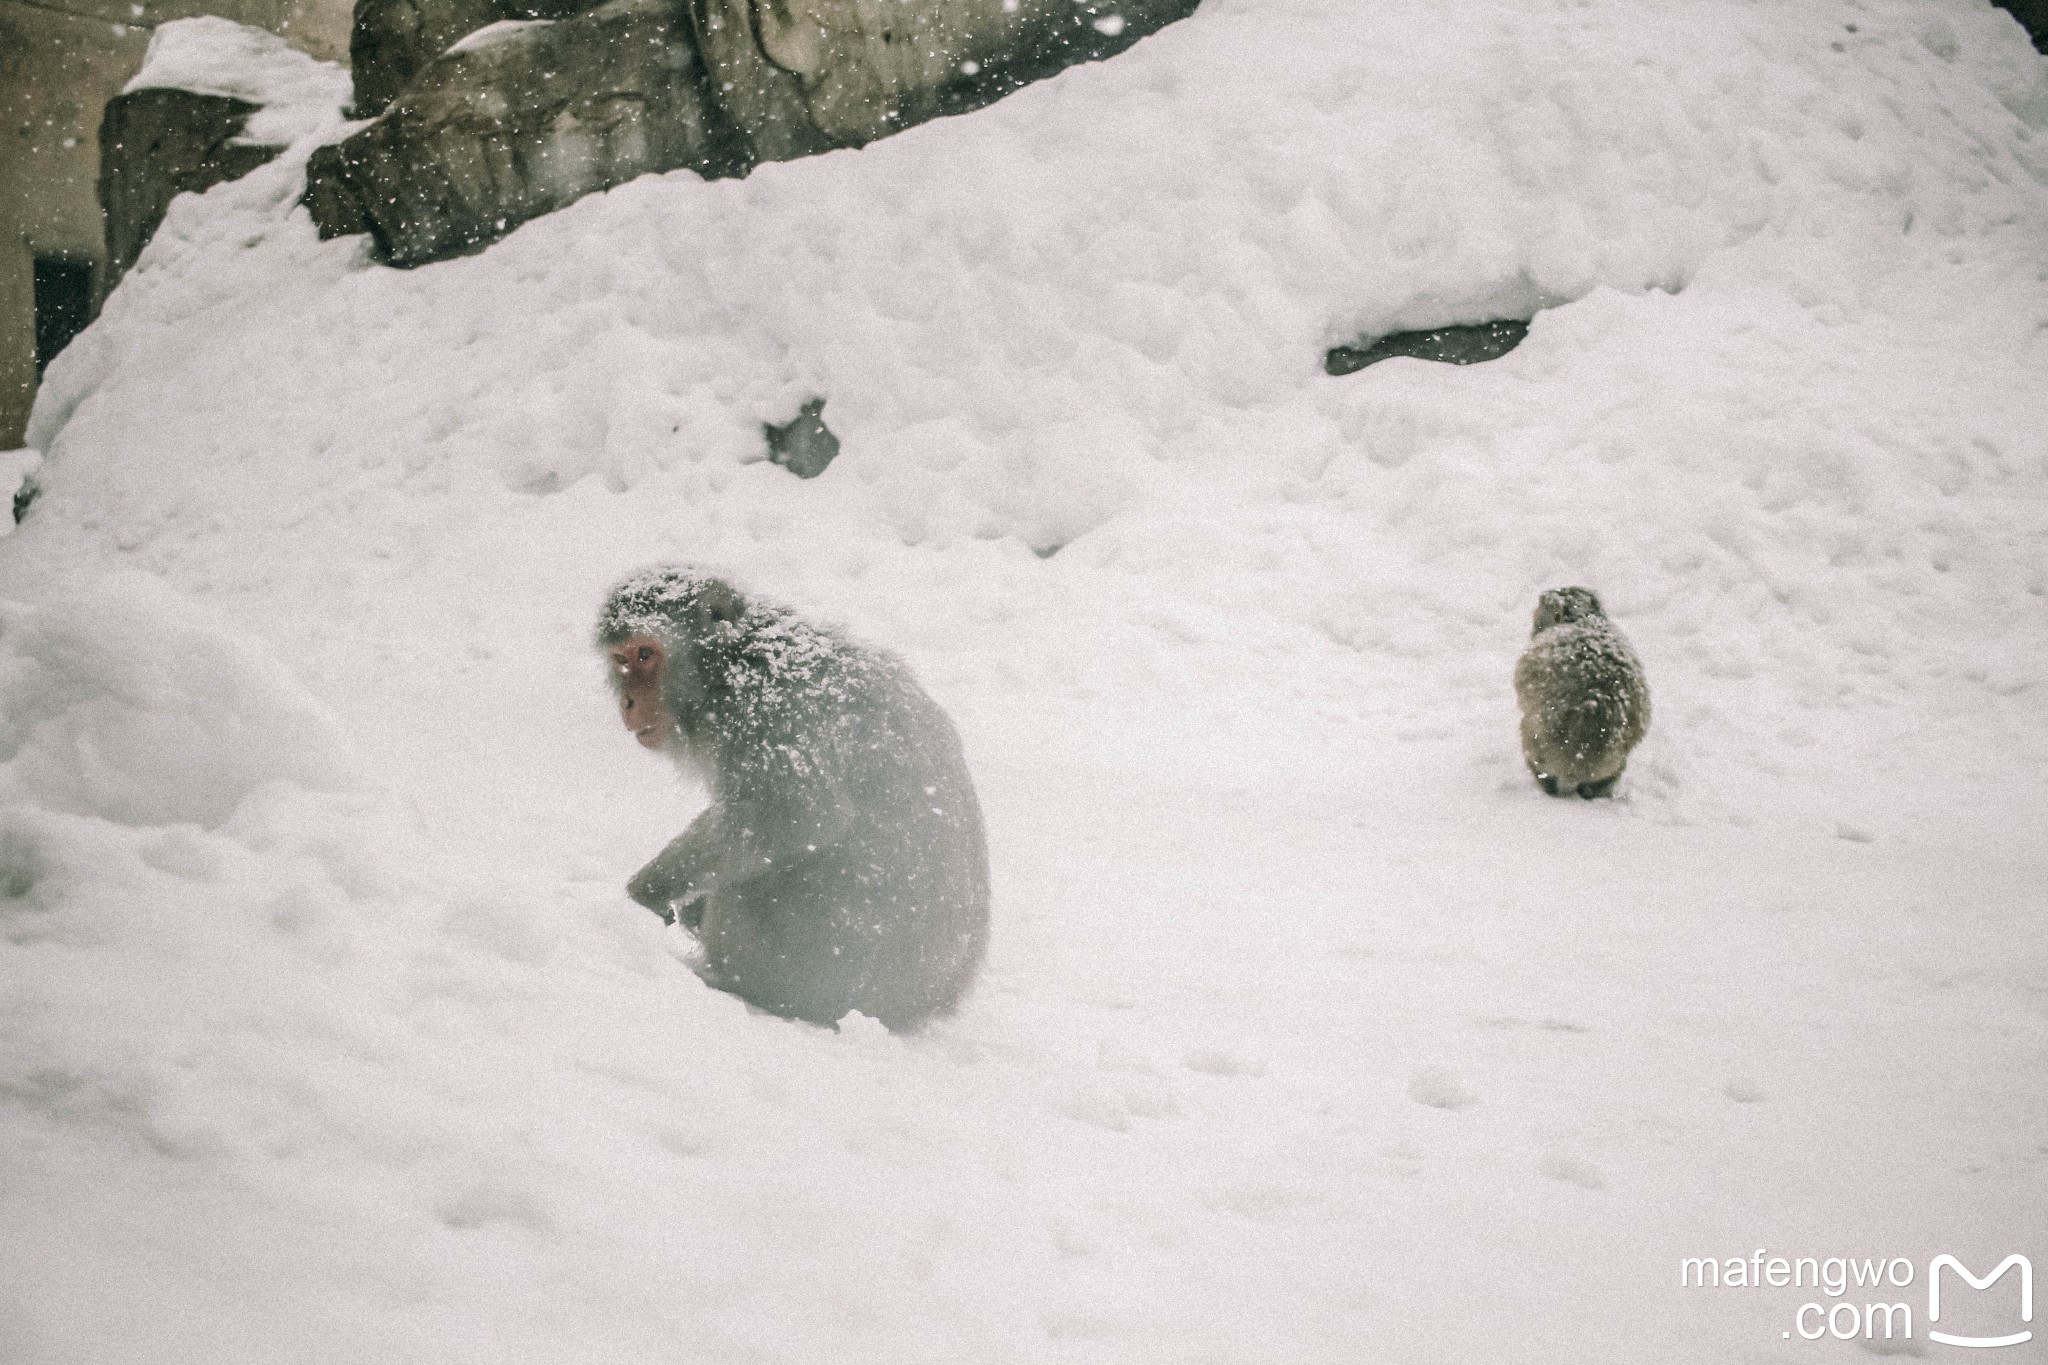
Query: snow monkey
(1584, 701)
(841, 864)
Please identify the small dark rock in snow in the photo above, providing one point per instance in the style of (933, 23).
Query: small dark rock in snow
(803, 445)
(1462, 345)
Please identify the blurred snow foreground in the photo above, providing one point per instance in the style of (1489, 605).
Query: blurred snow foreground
(1311, 1031)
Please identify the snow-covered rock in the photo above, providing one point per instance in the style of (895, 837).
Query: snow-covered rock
(295, 95)
(214, 100)
(527, 120)
(492, 114)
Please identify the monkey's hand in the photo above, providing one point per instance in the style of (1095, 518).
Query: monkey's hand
(729, 844)
(676, 884)
(663, 883)
(653, 900)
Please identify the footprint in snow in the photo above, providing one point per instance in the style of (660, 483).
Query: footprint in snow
(1216, 1061)
(1439, 1088)
(1571, 1171)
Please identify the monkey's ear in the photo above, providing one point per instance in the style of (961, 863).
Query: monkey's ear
(719, 604)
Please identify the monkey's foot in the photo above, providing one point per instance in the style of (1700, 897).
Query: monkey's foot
(1548, 783)
(1604, 787)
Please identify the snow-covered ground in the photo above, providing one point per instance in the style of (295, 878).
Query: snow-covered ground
(1311, 1031)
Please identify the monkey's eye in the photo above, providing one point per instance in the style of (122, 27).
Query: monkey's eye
(645, 654)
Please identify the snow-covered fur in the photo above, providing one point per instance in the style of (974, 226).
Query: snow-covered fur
(1584, 701)
(842, 864)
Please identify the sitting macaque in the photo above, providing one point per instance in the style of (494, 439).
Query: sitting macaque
(841, 864)
(1584, 701)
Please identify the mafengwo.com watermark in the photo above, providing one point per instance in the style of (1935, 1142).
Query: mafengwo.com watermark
(1862, 1298)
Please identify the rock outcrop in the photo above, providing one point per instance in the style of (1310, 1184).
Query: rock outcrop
(158, 144)
(491, 112)
(801, 76)
(518, 119)
(392, 41)
(213, 101)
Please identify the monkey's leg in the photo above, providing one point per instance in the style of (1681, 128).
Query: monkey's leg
(1604, 787)
(779, 942)
(1532, 746)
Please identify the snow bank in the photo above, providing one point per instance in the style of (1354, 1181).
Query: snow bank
(1310, 1031)
(121, 701)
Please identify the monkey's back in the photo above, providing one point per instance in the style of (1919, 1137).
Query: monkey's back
(888, 912)
(1585, 703)
(916, 856)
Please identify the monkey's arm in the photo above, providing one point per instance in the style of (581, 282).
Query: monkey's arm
(730, 843)
(679, 872)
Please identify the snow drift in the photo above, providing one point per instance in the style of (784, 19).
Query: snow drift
(1310, 1030)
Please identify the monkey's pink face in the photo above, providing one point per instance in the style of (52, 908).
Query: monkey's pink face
(637, 662)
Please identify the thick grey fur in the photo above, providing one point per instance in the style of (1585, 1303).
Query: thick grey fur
(842, 864)
(1585, 702)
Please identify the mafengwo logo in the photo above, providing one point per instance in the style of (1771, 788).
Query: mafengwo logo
(1847, 1319)
(1934, 1269)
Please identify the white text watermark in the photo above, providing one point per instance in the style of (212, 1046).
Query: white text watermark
(1853, 1315)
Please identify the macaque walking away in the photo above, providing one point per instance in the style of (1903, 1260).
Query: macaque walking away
(841, 864)
(1584, 701)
